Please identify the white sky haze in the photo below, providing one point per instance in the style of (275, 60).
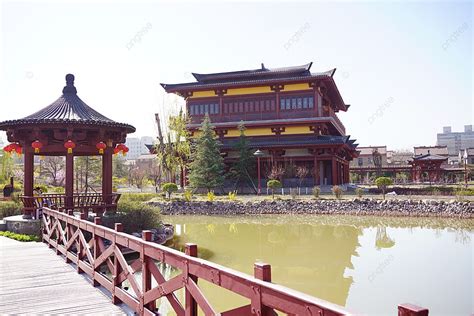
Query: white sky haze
(405, 67)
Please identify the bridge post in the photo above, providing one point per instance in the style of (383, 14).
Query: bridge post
(191, 304)
(97, 221)
(80, 247)
(146, 274)
(117, 268)
(68, 234)
(411, 310)
(262, 271)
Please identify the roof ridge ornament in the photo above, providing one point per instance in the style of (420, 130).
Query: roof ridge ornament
(69, 88)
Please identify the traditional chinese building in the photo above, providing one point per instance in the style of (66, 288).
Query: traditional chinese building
(289, 113)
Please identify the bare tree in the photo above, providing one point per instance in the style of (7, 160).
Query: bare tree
(301, 172)
(52, 168)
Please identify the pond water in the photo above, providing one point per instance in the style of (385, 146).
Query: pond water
(367, 264)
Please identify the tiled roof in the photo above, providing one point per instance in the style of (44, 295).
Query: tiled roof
(247, 81)
(429, 157)
(69, 108)
(262, 72)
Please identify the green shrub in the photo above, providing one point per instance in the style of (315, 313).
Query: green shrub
(9, 208)
(211, 196)
(57, 189)
(188, 195)
(316, 192)
(232, 196)
(383, 183)
(359, 192)
(337, 191)
(135, 217)
(20, 237)
(169, 188)
(273, 185)
(138, 197)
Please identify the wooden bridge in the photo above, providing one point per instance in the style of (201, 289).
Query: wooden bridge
(98, 253)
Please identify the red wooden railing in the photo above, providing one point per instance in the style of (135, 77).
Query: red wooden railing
(98, 251)
(81, 201)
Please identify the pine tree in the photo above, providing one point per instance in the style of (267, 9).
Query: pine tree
(241, 169)
(207, 167)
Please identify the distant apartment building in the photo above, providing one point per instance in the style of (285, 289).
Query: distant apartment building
(137, 146)
(456, 141)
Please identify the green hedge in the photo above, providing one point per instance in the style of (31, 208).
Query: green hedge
(137, 197)
(135, 217)
(9, 208)
(20, 237)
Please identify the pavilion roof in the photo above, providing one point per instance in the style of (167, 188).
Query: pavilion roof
(67, 109)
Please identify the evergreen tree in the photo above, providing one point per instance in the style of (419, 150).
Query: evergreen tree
(207, 166)
(242, 168)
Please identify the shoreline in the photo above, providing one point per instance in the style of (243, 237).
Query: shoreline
(355, 207)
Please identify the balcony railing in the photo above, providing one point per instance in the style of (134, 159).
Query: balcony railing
(87, 202)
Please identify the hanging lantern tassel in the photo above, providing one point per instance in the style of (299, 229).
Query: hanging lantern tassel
(70, 145)
(101, 146)
(37, 146)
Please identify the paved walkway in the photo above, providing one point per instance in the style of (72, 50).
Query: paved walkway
(34, 280)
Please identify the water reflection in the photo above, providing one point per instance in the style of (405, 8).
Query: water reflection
(333, 258)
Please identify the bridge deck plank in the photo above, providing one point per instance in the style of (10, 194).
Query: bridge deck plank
(34, 280)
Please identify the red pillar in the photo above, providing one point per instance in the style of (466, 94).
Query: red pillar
(28, 180)
(334, 171)
(107, 175)
(316, 171)
(69, 181)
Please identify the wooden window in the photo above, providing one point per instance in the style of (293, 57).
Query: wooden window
(241, 107)
(299, 103)
(246, 106)
(251, 106)
(305, 103)
(226, 105)
(310, 102)
(272, 103)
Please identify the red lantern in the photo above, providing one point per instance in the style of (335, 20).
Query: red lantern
(125, 150)
(70, 145)
(18, 149)
(37, 146)
(116, 150)
(8, 148)
(101, 146)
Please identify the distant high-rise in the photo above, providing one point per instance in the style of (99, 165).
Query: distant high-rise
(456, 141)
(137, 146)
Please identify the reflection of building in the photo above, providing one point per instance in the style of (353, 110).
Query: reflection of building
(456, 141)
(312, 258)
(289, 113)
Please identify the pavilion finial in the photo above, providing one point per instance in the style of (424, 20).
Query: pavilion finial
(69, 88)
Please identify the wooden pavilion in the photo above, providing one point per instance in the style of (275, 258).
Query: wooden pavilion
(67, 127)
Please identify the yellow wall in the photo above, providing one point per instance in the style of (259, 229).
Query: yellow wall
(291, 130)
(203, 94)
(249, 90)
(264, 131)
(297, 86)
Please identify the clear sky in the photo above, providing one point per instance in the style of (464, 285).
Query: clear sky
(406, 68)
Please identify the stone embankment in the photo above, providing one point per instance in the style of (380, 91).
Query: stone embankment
(364, 206)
